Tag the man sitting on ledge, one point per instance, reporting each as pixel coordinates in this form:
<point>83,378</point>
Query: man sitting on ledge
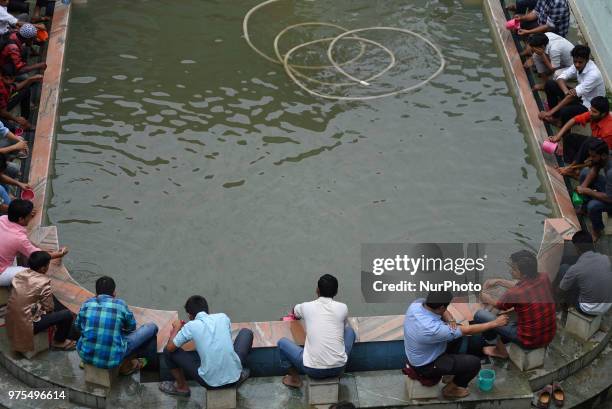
<point>329,337</point>
<point>108,332</point>
<point>217,363</point>
<point>586,285</point>
<point>532,300</point>
<point>15,241</point>
<point>432,340</point>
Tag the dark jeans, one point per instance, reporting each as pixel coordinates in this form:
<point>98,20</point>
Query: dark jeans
<point>23,98</point>
<point>523,5</point>
<point>18,7</point>
<point>463,366</point>
<point>594,207</point>
<point>508,333</point>
<point>142,343</point>
<point>189,362</point>
<point>575,148</point>
<point>554,95</point>
<point>62,318</point>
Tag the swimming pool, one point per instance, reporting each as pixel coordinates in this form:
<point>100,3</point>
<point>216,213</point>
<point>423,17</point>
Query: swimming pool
<point>186,163</point>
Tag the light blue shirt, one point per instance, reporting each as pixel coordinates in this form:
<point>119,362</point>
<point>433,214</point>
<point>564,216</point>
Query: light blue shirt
<point>3,129</point>
<point>425,334</point>
<point>212,336</point>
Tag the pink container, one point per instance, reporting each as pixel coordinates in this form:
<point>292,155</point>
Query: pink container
<point>290,317</point>
<point>513,24</point>
<point>27,194</point>
<point>549,147</point>
<point>19,132</point>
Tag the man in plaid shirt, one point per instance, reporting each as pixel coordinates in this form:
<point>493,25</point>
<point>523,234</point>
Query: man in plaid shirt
<point>548,15</point>
<point>532,300</point>
<point>108,331</point>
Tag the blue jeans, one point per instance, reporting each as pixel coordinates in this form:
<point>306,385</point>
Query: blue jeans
<point>292,355</point>
<point>508,333</point>
<point>594,207</point>
<point>142,342</point>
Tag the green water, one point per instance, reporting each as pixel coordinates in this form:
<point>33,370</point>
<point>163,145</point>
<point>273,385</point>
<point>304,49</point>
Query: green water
<point>186,163</point>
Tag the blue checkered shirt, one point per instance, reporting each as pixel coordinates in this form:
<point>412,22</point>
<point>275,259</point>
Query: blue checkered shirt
<point>103,321</point>
<point>555,14</point>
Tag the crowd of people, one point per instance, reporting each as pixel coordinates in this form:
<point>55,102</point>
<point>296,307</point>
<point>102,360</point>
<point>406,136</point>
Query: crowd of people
<point>575,94</point>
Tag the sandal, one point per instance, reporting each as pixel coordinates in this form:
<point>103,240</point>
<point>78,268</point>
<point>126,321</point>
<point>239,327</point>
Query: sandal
<point>170,388</point>
<point>140,363</point>
<point>542,398</point>
<point>71,346</point>
<point>558,394</point>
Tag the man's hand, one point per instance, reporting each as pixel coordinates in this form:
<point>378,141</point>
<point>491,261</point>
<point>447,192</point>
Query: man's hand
<point>545,115</point>
<point>37,77</point>
<point>492,282</point>
<point>63,251</point>
<point>523,32</point>
<point>176,326</point>
<point>23,186</point>
<point>19,146</point>
<point>583,190</point>
<point>572,92</point>
<point>554,138</point>
<point>23,122</point>
<point>502,320</point>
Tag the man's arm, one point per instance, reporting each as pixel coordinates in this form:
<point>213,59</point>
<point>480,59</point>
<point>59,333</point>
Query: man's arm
<point>183,336</point>
<point>33,67</point>
<point>129,322</point>
<point>4,179</point>
<point>500,321</point>
<point>563,131</point>
<point>21,145</point>
<point>539,29</point>
<point>26,83</point>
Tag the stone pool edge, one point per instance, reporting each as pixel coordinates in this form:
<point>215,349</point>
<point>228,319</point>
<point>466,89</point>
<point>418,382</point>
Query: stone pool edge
<point>371,331</point>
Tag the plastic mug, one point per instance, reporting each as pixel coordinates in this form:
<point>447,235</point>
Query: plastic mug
<point>27,194</point>
<point>513,24</point>
<point>549,147</point>
<point>577,199</point>
<point>289,317</point>
<point>486,379</point>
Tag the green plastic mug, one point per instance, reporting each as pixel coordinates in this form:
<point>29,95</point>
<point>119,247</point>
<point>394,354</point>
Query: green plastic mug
<point>577,199</point>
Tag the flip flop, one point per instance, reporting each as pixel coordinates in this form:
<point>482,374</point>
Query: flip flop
<point>169,388</point>
<point>141,363</point>
<point>558,394</point>
<point>71,346</point>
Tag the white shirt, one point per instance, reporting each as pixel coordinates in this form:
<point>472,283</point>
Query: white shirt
<point>324,320</point>
<point>590,82</point>
<point>6,20</point>
<point>559,51</point>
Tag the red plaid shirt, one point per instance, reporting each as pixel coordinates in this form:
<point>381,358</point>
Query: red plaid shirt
<point>11,53</point>
<point>535,309</point>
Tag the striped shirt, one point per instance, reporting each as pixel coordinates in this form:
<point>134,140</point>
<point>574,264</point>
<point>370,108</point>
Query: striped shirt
<point>103,321</point>
<point>554,14</point>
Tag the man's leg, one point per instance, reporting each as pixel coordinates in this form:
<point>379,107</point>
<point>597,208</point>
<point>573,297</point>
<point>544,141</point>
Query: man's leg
<point>291,358</point>
<point>595,208</point>
<point>140,337</point>
<point>62,320</point>
<point>23,99</point>
<point>349,339</point>
<point>183,363</point>
<point>5,200</point>
<point>6,277</point>
<point>554,94</point>
<point>243,344</point>
<point>573,151</point>
<point>522,6</point>
<point>569,111</point>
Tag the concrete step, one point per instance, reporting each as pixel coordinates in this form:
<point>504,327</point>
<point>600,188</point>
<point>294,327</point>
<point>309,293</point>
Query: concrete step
<point>591,386</point>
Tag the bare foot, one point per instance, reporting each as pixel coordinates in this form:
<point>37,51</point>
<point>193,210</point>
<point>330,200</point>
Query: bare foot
<point>495,352</point>
<point>66,345</point>
<point>292,381</point>
<point>596,235</point>
<point>538,87</point>
<point>452,391</point>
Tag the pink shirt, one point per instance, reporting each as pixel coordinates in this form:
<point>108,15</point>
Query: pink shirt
<point>13,240</point>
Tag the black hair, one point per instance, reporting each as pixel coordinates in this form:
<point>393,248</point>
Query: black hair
<point>526,262</point>
<point>18,209</point>
<point>581,51</point>
<point>583,241</point>
<point>538,40</point>
<point>105,285</point>
<point>598,146</point>
<point>3,162</point>
<point>601,104</point>
<point>8,69</point>
<point>38,260</point>
<point>196,304</point>
<point>342,405</point>
<point>437,299</point>
<point>328,286</point>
